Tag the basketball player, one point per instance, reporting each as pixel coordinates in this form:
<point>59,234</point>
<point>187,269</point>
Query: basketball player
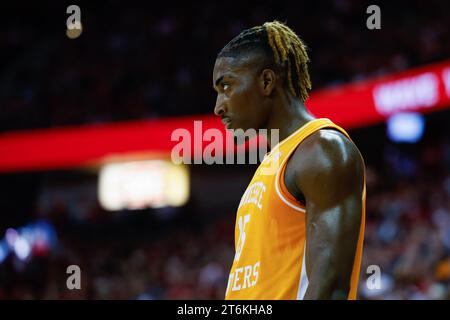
<point>299,232</point>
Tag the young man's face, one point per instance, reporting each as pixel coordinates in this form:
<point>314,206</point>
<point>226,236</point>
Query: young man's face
<point>239,99</point>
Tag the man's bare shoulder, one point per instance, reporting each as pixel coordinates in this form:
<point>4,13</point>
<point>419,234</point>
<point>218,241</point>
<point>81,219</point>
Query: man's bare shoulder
<point>327,159</point>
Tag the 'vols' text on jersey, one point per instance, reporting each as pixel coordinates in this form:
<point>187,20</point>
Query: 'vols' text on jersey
<point>270,233</point>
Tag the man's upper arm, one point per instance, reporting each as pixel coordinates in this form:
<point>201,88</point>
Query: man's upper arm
<point>329,174</point>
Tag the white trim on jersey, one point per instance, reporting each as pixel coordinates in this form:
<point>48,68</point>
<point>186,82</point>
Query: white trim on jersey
<point>303,283</point>
<point>277,188</point>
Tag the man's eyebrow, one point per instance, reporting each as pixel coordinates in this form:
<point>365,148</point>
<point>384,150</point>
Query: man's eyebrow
<point>229,75</point>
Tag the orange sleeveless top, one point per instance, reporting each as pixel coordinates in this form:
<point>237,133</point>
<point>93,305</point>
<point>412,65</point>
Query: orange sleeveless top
<point>270,232</point>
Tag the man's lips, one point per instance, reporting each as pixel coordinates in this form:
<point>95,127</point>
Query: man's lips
<point>226,122</point>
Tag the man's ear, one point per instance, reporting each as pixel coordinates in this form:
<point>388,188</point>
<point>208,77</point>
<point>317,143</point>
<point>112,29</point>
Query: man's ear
<point>267,81</point>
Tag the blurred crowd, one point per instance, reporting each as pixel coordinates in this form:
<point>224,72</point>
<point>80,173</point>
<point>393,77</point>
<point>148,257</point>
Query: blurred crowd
<point>408,227</point>
<point>407,237</point>
<point>181,264</point>
<point>136,62</point>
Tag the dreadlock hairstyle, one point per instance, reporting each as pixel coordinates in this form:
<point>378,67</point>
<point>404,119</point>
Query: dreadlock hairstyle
<point>279,42</point>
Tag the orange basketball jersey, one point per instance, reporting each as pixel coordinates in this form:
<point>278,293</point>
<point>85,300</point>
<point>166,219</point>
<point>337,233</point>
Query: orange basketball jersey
<point>270,232</point>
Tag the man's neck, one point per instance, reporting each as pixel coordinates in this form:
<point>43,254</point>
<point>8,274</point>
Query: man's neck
<point>287,117</point>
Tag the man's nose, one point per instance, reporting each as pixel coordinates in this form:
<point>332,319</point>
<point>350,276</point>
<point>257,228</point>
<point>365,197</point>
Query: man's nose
<point>219,109</point>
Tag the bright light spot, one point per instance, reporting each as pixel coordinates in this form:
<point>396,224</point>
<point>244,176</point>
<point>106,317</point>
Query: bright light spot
<point>406,127</point>
<point>22,248</point>
<point>11,236</point>
<point>4,251</point>
<point>143,184</point>
<point>74,31</point>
